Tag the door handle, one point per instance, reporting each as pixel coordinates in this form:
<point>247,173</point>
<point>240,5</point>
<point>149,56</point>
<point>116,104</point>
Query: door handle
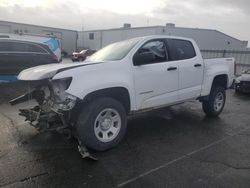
<point>172,68</point>
<point>197,65</point>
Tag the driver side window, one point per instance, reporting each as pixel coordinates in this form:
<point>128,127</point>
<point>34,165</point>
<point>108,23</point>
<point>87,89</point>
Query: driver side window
<point>152,52</point>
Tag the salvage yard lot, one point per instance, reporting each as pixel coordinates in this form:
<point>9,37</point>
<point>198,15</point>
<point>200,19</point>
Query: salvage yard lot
<point>173,147</point>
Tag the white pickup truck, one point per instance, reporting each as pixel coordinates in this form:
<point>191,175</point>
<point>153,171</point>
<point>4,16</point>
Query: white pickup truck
<point>91,100</point>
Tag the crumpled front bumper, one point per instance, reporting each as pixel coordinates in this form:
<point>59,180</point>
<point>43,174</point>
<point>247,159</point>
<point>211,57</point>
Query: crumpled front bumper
<point>52,113</point>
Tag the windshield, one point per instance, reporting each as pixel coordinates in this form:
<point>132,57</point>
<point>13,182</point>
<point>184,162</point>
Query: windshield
<point>115,51</point>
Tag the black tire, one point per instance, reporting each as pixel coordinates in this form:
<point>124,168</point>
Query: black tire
<point>86,123</point>
<point>208,105</point>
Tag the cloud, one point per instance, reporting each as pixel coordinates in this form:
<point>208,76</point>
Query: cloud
<point>229,16</point>
<point>71,16</point>
<point>242,5</point>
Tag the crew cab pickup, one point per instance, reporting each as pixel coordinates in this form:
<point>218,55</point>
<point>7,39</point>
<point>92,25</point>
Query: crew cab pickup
<point>92,101</point>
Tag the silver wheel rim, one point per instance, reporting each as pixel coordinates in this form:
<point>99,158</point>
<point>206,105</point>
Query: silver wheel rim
<point>107,125</point>
<point>218,101</point>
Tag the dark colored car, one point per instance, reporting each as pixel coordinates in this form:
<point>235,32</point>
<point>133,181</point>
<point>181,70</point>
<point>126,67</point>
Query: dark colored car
<point>242,83</point>
<point>17,55</point>
<point>82,55</point>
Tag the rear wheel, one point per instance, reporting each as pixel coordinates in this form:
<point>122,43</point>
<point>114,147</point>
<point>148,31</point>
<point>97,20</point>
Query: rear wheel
<point>215,104</point>
<point>102,124</point>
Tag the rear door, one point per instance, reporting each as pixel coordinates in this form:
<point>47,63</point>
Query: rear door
<point>156,80</point>
<point>190,68</point>
<point>41,54</point>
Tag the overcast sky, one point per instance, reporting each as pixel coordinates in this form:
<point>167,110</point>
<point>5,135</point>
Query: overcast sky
<point>229,16</point>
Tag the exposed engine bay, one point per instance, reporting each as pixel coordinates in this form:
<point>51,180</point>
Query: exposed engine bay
<point>54,108</point>
<point>54,105</point>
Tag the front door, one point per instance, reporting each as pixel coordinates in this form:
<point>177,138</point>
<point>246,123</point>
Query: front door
<point>155,78</point>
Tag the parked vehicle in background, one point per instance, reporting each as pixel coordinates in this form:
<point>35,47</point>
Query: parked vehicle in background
<point>93,99</point>
<point>19,52</point>
<point>242,83</point>
<point>82,55</point>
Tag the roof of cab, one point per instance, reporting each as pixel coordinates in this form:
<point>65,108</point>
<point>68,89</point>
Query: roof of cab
<point>166,36</point>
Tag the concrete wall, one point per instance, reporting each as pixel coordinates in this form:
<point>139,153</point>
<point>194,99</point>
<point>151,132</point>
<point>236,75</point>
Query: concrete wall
<point>84,41</point>
<point>205,38</point>
<point>105,37</point>
<point>68,37</point>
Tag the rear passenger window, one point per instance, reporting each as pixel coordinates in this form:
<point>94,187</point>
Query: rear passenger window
<point>181,49</point>
<point>36,48</point>
<point>26,47</point>
<point>5,46</point>
<point>20,47</point>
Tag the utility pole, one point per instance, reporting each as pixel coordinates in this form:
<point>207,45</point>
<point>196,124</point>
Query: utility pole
<point>82,34</point>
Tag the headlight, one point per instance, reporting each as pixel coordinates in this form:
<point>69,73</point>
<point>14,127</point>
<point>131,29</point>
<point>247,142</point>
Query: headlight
<point>62,84</point>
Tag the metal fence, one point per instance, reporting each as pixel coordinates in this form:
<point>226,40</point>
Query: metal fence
<point>242,57</point>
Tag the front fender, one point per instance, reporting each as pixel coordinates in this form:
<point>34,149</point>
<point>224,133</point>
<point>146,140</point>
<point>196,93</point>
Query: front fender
<point>86,80</point>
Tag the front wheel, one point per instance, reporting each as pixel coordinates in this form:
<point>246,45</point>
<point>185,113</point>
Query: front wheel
<point>102,124</point>
<point>215,104</point>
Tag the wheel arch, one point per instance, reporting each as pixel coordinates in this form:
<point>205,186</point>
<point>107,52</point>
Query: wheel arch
<point>121,94</point>
<point>217,80</point>
<point>220,80</point>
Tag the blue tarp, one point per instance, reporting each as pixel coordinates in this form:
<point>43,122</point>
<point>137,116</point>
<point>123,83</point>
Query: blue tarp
<point>8,78</point>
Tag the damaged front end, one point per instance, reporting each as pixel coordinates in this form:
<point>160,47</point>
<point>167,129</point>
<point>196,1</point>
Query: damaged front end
<point>54,110</point>
<point>54,105</point>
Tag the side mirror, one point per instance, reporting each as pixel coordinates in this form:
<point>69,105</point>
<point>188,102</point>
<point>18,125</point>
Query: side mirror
<point>143,58</point>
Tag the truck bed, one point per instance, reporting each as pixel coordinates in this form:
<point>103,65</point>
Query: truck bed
<point>219,66</point>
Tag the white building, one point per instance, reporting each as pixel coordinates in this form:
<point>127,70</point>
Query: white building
<point>68,37</point>
<point>206,38</point>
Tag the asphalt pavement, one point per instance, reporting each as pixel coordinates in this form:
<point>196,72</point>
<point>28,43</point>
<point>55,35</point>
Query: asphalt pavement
<point>172,147</point>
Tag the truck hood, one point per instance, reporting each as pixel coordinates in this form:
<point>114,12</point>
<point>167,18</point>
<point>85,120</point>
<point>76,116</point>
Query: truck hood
<point>48,71</point>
